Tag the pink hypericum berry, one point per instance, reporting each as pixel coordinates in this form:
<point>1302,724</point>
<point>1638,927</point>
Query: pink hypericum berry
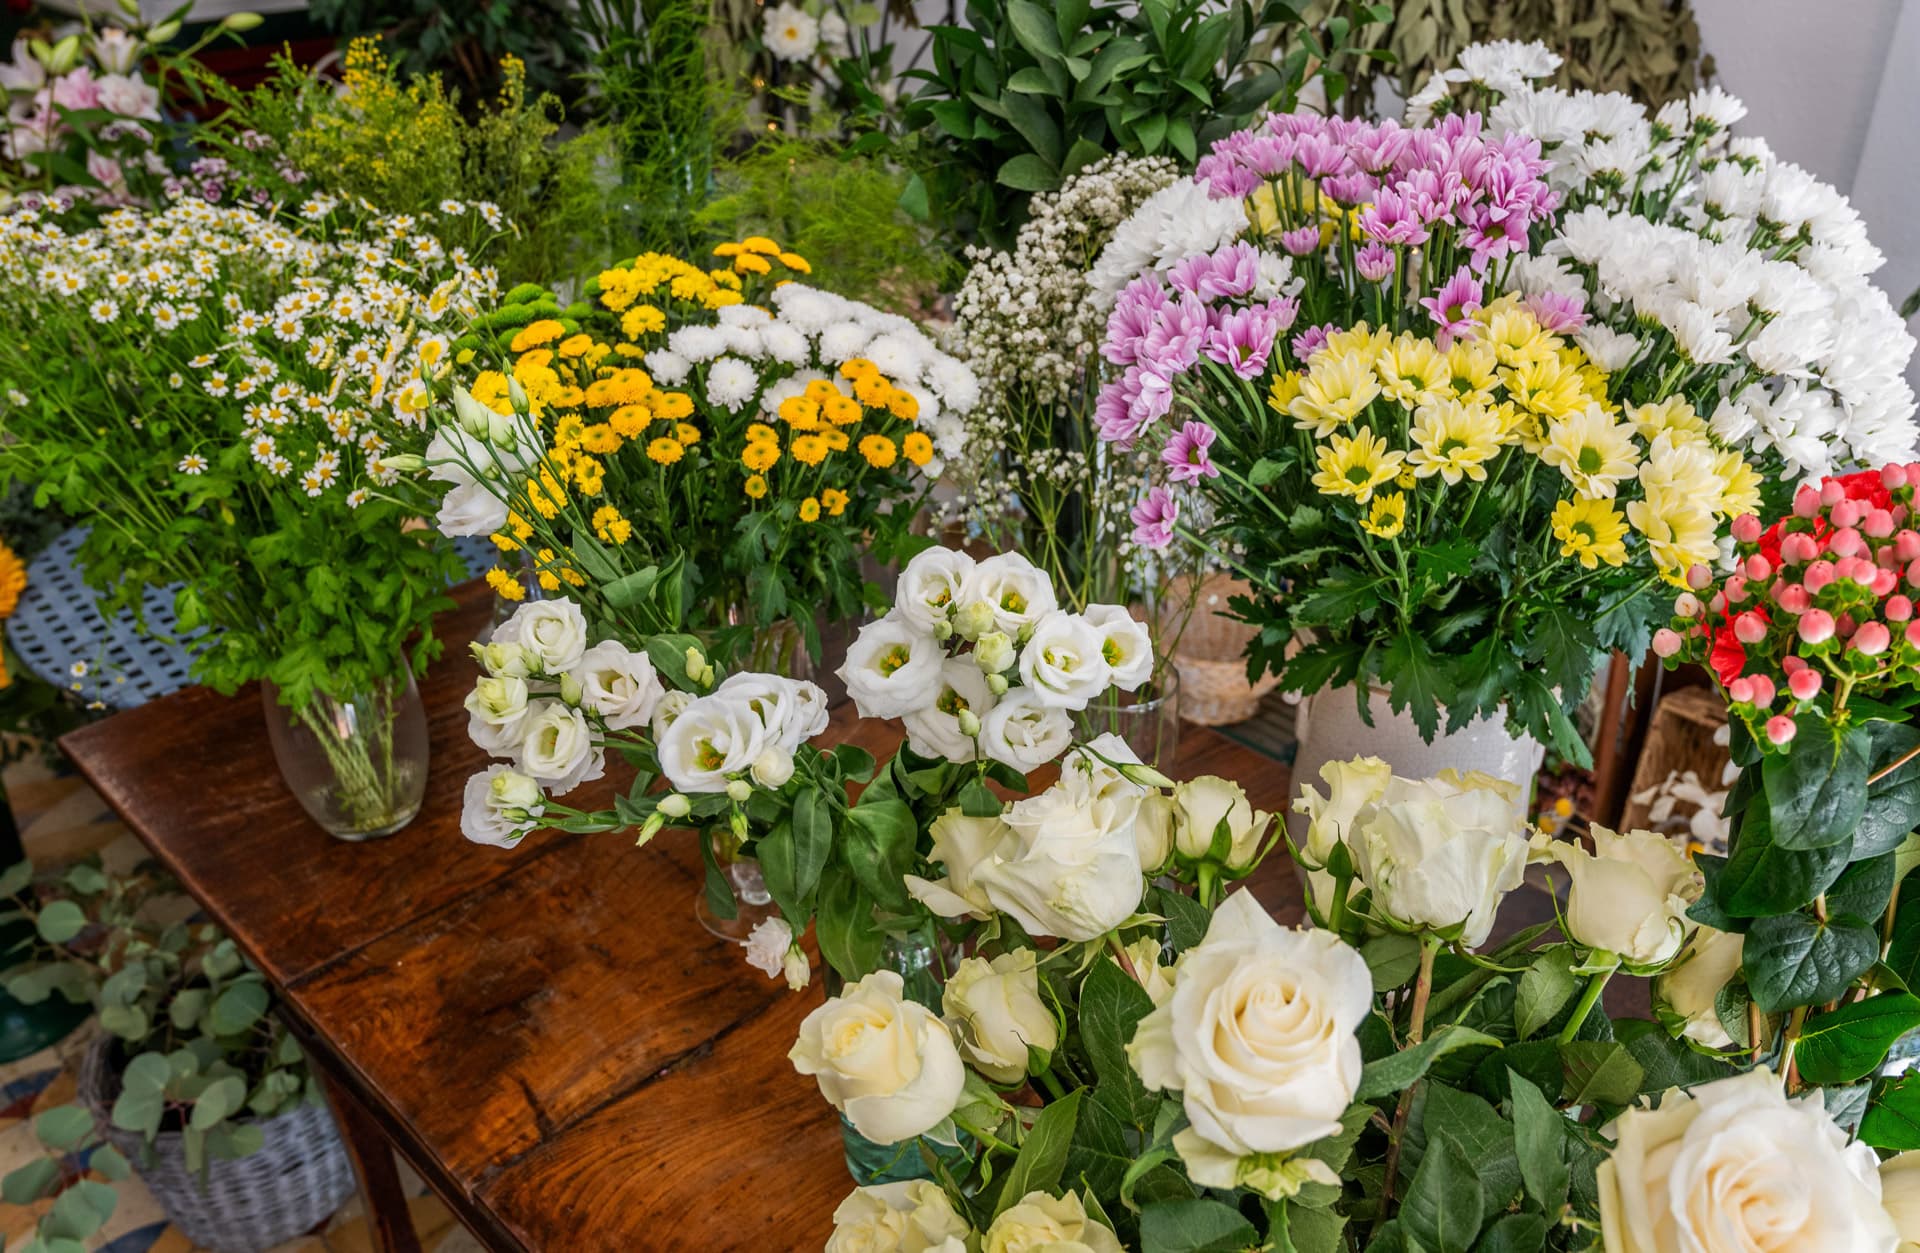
<point>1804,684</point>
<point>1780,729</point>
<point>1897,609</point>
<point>1859,570</point>
<point>1687,605</point>
<point>1735,589</point>
<point>1740,691</point>
<point>1906,546</point>
<point>1758,567</point>
<point>1913,633</point>
<point>1666,642</point>
<point>1843,626</point>
<point>1886,559</point>
<point>1818,575</point>
<point>1872,639</point>
<point>1831,494</point>
<point>1794,598</point>
<point>1913,473</point>
<point>1750,628</point>
<point>1799,548</point>
<point>1792,665</point>
<point>1913,573</point>
<point>1698,576</point>
<point>1878,524</point>
<point>1846,541</point>
<point>1746,528</point>
<point>1816,626</point>
<point>1884,581</point>
<point>1847,513</point>
<point>1717,606</point>
<point>1763,690</point>
<point>1893,477</point>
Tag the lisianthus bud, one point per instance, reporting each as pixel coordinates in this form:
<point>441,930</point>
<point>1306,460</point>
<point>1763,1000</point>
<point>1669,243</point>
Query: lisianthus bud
<point>570,690</point>
<point>1816,626</point>
<point>997,684</point>
<point>1750,628</point>
<point>1758,568</point>
<point>1897,609</point>
<point>1746,528</point>
<point>993,651</point>
<point>773,767</point>
<point>973,619</point>
<point>969,722</point>
<point>1878,524</point>
<point>674,805</point>
<point>1872,639</point>
<point>1698,576</point>
<point>1804,683</point>
<point>1666,642</point>
<point>1687,605</point>
<point>943,630</point>
<point>1780,729</point>
<point>738,790</point>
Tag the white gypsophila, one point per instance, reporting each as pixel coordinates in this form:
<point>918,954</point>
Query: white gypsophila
<point>668,367</point>
<point>731,383</point>
<point>1180,221</point>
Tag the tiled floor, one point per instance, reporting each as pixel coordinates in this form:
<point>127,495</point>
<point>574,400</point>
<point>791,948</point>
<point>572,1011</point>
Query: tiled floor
<point>61,818</point>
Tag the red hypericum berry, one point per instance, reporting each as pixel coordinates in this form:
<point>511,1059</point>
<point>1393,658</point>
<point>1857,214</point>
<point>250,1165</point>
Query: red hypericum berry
<point>1872,639</point>
<point>1893,477</point>
<point>1735,589</point>
<point>1792,665</point>
<point>1780,729</point>
<point>1763,690</point>
<point>1912,633</point>
<point>1847,514</point>
<point>1740,691</point>
<point>1804,683</point>
<point>1897,609</point>
<point>1799,548</point>
<point>1906,546</point>
<point>1831,494</point>
<point>1846,541</point>
<point>1806,502</point>
<point>1858,570</point>
<point>1913,573</point>
<point>1816,626</point>
<point>1666,642</point>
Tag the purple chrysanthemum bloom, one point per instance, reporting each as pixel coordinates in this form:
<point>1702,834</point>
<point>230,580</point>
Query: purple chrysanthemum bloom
<point>1134,314</point>
<point>1375,262</point>
<point>1186,453</point>
<point>1233,270</point>
<point>1311,340</point>
<point>1130,404</point>
<point>1453,307</point>
<point>1174,342</point>
<point>1558,312</point>
<point>1376,148</point>
<point>1320,156</point>
<point>1391,219</point>
<point>1352,188</point>
<point>1154,519</point>
<point>1243,339</point>
<point>1301,240</point>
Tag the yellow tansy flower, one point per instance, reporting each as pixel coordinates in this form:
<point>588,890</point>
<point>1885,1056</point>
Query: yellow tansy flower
<point>760,454</point>
<point>802,413</point>
<point>686,433</point>
<point>809,510</point>
<point>610,526</point>
<point>755,486</point>
<point>809,449</point>
<point>795,262</point>
<point>917,448</point>
<point>505,585</point>
<point>533,334</point>
<point>903,405</point>
<point>600,438</point>
<point>841,410</point>
<point>835,500</point>
<point>630,420</point>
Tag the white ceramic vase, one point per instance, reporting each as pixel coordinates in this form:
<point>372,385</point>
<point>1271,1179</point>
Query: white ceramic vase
<point>1330,729</point>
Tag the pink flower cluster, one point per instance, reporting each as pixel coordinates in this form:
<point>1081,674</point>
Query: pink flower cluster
<point>1407,183</point>
<point>112,82</point>
<point>1819,602</point>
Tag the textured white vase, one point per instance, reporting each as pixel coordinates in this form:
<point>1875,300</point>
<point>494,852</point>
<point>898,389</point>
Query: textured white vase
<point>1330,729</point>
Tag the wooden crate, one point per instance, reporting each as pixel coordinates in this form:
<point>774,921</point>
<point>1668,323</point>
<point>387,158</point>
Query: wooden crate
<point>1680,738</point>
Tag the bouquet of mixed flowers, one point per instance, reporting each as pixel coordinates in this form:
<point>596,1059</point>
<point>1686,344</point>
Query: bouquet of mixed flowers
<point>676,455</point>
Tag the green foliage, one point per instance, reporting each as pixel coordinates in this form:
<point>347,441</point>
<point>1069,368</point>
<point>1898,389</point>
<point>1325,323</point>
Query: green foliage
<point>465,44</point>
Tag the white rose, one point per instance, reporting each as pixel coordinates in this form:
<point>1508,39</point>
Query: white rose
<point>1015,592</point>
<point>1900,1193</point>
<point>1351,786</point>
<point>1021,732</point>
<point>1690,987</point>
<point>1125,644</point>
<point>499,806</point>
<point>885,1062</point>
<point>1040,1223</point>
<point>1153,831</point>
<point>961,845</point>
<point>996,1013</point>
<point>618,684</point>
<point>470,509</point>
<point>497,714</point>
<point>892,668</point>
<point>557,747</point>
<point>1440,853</point>
<point>1156,979</point>
<point>912,1216</point>
<point>1629,896</point>
<point>1734,1166</point>
<point>1258,1037</point>
<point>555,631</point>
<point>936,729</point>
<point>1067,864</point>
<point>929,587</point>
<point>1061,661</point>
<point>714,738</point>
<point>1201,805</point>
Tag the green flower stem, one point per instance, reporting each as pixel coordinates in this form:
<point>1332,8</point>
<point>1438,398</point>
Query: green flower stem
<point>1416,1029</point>
<point>1588,998</point>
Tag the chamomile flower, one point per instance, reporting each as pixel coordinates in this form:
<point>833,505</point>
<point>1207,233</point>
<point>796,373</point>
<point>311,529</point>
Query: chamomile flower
<point>192,463</point>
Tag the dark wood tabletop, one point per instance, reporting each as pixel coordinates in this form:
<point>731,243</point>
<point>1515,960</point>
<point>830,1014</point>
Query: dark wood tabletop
<point>545,1033</point>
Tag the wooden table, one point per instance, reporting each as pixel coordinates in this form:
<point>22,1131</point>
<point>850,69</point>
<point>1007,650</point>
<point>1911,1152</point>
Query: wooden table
<point>545,1033</point>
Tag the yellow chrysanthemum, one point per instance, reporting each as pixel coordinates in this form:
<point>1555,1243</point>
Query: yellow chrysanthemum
<point>1412,371</point>
<point>1473,372</point>
<point>809,449</point>
<point>534,334</point>
<point>1672,414</point>
<point>1387,517</point>
<point>1336,390</point>
<point>858,368</point>
<point>760,431</point>
<point>1358,340</point>
<point>1592,531</point>
<point>1548,387</point>
<point>601,439</point>
<point>665,450</point>
<point>629,420</point>
<point>752,263</point>
<point>879,451</point>
<point>760,244</point>
<point>1678,529</point>
<point>835,500</point>
<point>1684,463</point>
<point>755,487</point>
<point>820,391</point>
<point>1593,451</point>
<point>1515,335</point>
<point>1454,441</point>
<point>810,510</point>
<point>841,410</point>
<point>589,476</point>
<point>1739,485</point>
<point>800,412</point>
<point>642,320</point>
<point>13,580</point>
<point>795,262</point>
<point>903,405</point>
<point>610,526</point>
<point>917,448</point>
<point>1355,466</point>
<point>872,390</point>
<point>760,454</point>
<point>672,406</point>
<point>504,585</point>
<point>687,433</point>
<point>1285,388</point>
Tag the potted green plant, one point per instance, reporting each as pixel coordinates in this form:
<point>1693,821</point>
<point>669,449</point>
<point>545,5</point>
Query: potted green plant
<point>193,1082</point>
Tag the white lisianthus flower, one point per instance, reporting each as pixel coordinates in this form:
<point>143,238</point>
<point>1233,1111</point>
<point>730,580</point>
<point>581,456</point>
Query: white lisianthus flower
<point>1732,1166</point>
<point>792,710</point>
<point>497,714</point>
<point>555,631</point>
<point>670,706</point>
<point>1045,1223</point>
<point>470,509</point>
<point>556,747</point>
<point>911,1216</point>
<point>929,587</point>
<point>1690,987</point>
<point>1629,896</point>
<point>499,806</point>
<point>885,1062</point>
<point>939,729</point>
<point>892,668</point>
<point>790,33</point>
<point>1061,662</point>
<point>1125,644</point>
<point>1440,853</point>
<point>1015,593</point>
<point>502,659</point>
<point>1021,732</point>
<point>618,684</point>
<point>996,1014</point>
<point>1258,1038</point>
<point>1201,805</point>
<point>771,951</point>
<point>714,739</point>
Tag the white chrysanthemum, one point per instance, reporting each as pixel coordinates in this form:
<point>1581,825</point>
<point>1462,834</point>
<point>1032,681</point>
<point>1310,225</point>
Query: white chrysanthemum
<point>668,367</point>
<point>790,33</point>
<point>731,383</point>
<point>898,355</point>
<point>1181,221</point>
<point>1504,65</point>
<point>842,341</point>
<point>698,343</point>
<point>784,344</point>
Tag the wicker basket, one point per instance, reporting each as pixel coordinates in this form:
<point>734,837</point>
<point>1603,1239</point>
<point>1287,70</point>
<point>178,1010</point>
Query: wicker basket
<point>300,1176</point>
<point>1211,656</point>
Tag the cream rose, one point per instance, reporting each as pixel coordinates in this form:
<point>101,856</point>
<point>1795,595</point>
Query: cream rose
<point>1440,853</point>
<point>1015,593</point>
<point>618,684</point>
<point>938,729</point>
<point>996,1013</point>
<point>1021,732</point>
<point>1258,1037</point>
<point>1061,662</point>
<point>929,587</point>
<point>1125,644</point>
<point>1900,1193</point>
<point>499,806</point>
<point>1201,805</point>
<point>913,1216</point>
<point>1732,1167</point>
<point>892,668</point>
<point>497,714</point>
<point>1153,831</point>
<point>714,739</point>
<point>556,747</point>
<point>1351,786</point>
<point>1040,1223</point>
<point>1690,987</point>
<point>1629,896</point>
<point>885,1062</point>
<point>555,631</point>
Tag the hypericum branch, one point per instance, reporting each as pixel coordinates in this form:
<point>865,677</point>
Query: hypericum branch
<point>1908,756</point>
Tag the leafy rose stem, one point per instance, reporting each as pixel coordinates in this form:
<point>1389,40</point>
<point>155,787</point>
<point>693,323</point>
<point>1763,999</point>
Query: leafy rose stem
<point>1416,1029</point>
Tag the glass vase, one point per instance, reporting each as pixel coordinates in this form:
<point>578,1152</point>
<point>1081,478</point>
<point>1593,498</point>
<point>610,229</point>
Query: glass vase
<point>1148,720</point>
<point>772,647</point>
<point>752,903</point>
<point>356,763</point>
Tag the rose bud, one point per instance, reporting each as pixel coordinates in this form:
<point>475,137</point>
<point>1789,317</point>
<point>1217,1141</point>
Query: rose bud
<point>1818,575</point>
<point>1666,642</point>
<point>1747,528</point>
<point>1846,541</point>
<point>1816,626</point>
<point>1872,639</point>
<point>1750,628</point>
<point>1698,576</point>
<point>1794,598</point>
<point>1687,605</point>
<point>1804,683</point>
<point>1780,729</point>
<point>1740,691</point>
<point>1884,581</point>
<point>1758,567</point>
<point>1878,524</point>
<point>1897,609</point>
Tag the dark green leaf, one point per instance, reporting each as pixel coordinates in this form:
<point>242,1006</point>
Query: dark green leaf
<point>1397,1071</point>
<point>1817,791</point>
<point>1893,1120</point>
<point>1540,1136</point>
<point>1043,1154</point>
<point>1442,1209</point>
<point>1544,990</point>
<point>1794,959</point>
<point>1852,1041</point>
<point>1194,1226</point>
<point>1600,1072</point>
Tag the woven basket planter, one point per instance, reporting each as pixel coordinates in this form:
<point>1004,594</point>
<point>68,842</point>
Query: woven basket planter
<point>1211,657</point>
<point>300,1176</point>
